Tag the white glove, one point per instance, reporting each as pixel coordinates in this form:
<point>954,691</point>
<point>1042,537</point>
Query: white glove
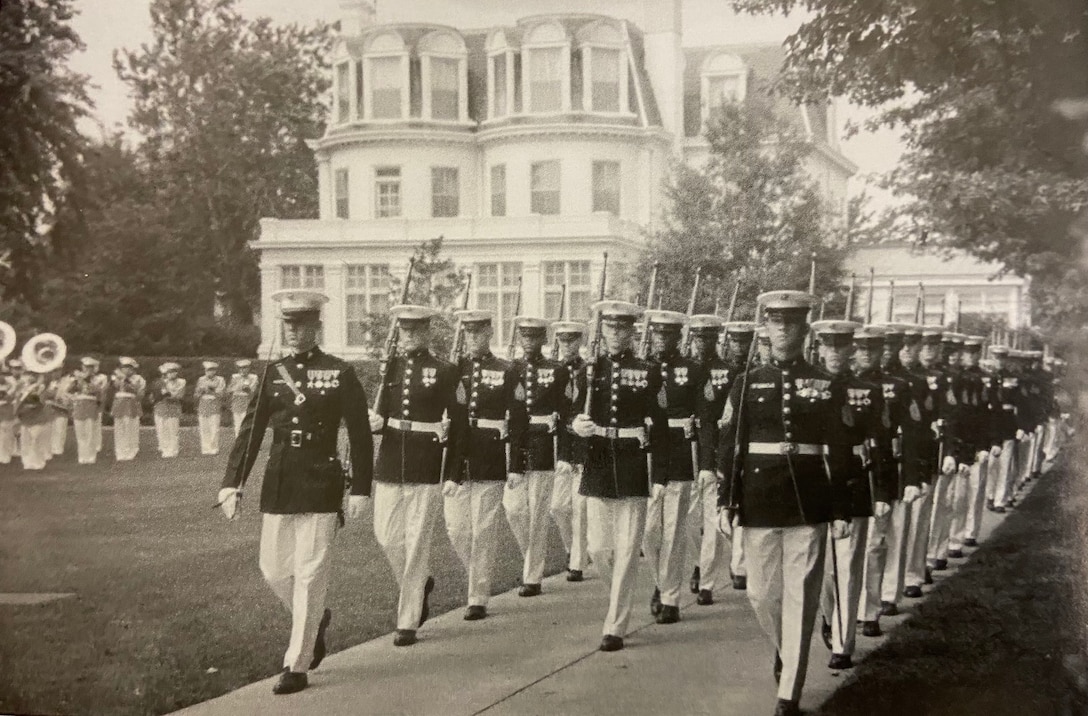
<point>449,488</point>
<point>949,465</point>
<point>583,425</point>
<point>911,493</point>
<point>356,506</point>
<point>995,451</point>
<point>965,471</point>
<point>562,467</point>
<point>725,525</point>
<point>925,489</point>
<point>657,491</point>
<point>881,508</point>
<point>514,480</point>
<point>707,477</point>
<point>841,529</point>
<point>230,502</point>
<point>1020,434</point>
<point>377,422</point>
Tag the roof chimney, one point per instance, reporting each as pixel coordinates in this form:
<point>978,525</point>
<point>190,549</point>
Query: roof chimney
<point>355,16</point>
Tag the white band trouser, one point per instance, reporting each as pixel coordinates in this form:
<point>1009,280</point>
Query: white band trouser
<point>785,573</point>
<point>404,520</point>
<point>472,520</point>
<point>126,438</point>
<point>166,430</point>
<point>615,536</point>
<point>59,434</point>
<point>941,517</point>
<point>7,441</point>
<point>568,510</point>
<point>96,433</point>
<point>209,433</point>
<point>526,503</point>
<point>84,430</point>
<point>664,538</point>
<point>35,444</point>
<point>296,558</point>
<point>921,512</point>
<point>850,557</point>
<point>238,418</point>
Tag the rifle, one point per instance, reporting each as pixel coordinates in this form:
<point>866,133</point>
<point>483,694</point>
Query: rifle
<point>728,319</point>
<point>809,351</point>
<point>891,302</point>
<point>869,298</point>
<point>513,333</point>
<point>459,332</point>
<point>685,343</point>
<point>595,345</point>
<point>644,341</point>
<point>850,298</point>
<point>738,460</point>
<point>391,340</point>
<point>562,306</point>
<point>920,305</point>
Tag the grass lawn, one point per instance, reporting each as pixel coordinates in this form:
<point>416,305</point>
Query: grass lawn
<point>170,607</point>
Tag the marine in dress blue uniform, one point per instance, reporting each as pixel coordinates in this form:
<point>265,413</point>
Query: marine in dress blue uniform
<point>302,398</point>
<point>961,400</point>
<point>969,494</point>
<point>568,506</point>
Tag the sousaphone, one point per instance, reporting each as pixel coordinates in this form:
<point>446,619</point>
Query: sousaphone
<point>44,353</point>
<point>7,340</point>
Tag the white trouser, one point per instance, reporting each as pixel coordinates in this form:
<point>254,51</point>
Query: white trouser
<point>1052,443</point>
<point>84,429</point>
<point>296,558</point>
<point>126,438</point>
<point>404,520</point>
<point>7,441</point>
<point>968,502</point>
<point>785,572</point>
<point>895,563</point>
<point>568,509</point>
<point>1004,477</point>
<point>614,536</point>
<point>526,503</point>
<point>941,517</point>
<point>707,543</point>
<point>166,429</point>
<point>921,513</point>
<point>663,540</point>
<point>1039,452</point>
<point>472,520</point>
<point>878,545</point>
<point>34,441</point>
<point>209,434</point>
<point>238,418</point>
<point>96,432</point>
<point>59,435</point>
<point>849,560</point>
<point>1024,458</point>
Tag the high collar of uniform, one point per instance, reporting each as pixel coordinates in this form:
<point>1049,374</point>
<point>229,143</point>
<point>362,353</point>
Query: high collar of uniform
<point>534,357</point>
<point>789,363</point>
<point>669,356</point>
<point>418,353</point>
<point>483,357</point>
<point>305,356</point>
<point>873,372</point>
<point>617,357</point>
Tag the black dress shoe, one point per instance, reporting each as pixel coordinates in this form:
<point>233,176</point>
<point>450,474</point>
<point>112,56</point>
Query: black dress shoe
<point>929,576</point>
<point>319,643</point>
<point>428,587</point>
<point>956,553</point>
<point>475,612</point>
<point>999,510</point>
<point>740,582</point>
<point>787,707</point>
<point>611,643</point>
<point>889,609</point>
<point>940,565</point>
<point>291,682</point>
<point>705,598</point>
<point>655,602</point>
<point>404,637</point>
<point>693,585</point>
<point>574,575</point>
<point>825,633</point>
<point>528,590</point>
<point>668,615</point>
<point>990,505</point>
<point>913,591</point>
<point>871,629</point>
<point>970,542</point>
<point>840,661</point>
<point>777,667</point>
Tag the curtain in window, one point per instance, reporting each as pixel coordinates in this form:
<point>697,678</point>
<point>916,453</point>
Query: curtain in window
<point>546,79</point>
<point>445,88</point>
<point>387,83</point>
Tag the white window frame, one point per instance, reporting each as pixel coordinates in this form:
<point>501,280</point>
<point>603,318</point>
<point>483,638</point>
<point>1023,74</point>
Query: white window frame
<point>491,190</point>
<point>558,191</point>
<point>457,173</point>
<point>552,290</point>
<point>725,66</point>
<point>499,46</point>
<point>336,198</point>
<point>461,58</point>
<point>372,278</point>
<point>309,276</point>
<point>379,181</point>
<point>587,42</point>
<point>504,269</point>
<point>386,49</point>
<point>337,99</point>
<point>528,46</point>
<point>594,185</point>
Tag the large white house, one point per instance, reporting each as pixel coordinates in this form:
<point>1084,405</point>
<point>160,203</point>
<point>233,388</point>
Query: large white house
<point>532,137</point>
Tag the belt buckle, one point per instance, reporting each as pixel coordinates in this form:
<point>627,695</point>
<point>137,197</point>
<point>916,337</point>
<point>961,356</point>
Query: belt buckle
<point>296,438</point>
<point>612,433</point>
<point>788,448</point>
<point>473,422</point>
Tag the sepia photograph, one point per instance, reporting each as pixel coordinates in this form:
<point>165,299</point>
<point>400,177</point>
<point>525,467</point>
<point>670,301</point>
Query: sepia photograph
<point>524,357</point>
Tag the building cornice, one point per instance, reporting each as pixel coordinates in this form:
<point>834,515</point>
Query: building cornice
<point>432,134</point>
<point>537,130</point>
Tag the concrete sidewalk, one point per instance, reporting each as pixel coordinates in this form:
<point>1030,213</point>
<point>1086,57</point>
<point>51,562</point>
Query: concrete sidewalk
<point>539,656</point>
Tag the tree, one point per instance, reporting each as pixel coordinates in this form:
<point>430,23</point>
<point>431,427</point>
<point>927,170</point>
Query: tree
<point>224,106</point>
<point>40,146</point>
<point>751,214</point>
<point>437,282</point>
<point>990,167</point>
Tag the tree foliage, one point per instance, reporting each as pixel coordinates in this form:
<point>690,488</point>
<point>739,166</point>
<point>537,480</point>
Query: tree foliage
<point>40,146</point>
<point>751,214</point>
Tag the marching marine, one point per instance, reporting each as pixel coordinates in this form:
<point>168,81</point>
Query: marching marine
<point>969,495</point>
<point>243,384</point>
<point>568,507</point>
<point>166,398</point>
<point>303,398</point>
<point>87,393</point>
<point>128,394</point>
<point>209,391</point>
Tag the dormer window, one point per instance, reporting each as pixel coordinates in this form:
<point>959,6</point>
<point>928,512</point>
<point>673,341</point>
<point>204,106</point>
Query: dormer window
<point>724,81</point>
<point>385,68</point>
<point>501,76</point>
<point>444,76</point>
<point>604,85</point>
<point>343,93</point>
<point>546,59</point>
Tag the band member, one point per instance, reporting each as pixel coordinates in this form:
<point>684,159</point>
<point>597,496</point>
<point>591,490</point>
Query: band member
<point>969,493</point>
<point>34,419</point>
<point>473,492</point>
<point>777,422</point>
<point>676,460</point>
<point>542,386</point>
<point>303,398</point>
<point>9,383</point>
<point>624,423</point>
<point>418,396</point>
<point>209,391</point>
<point>128,396</point>
<point>568,506</point>
<point>243,385</point>
<point>60,408</point>
<point>87,397</point>
<point>100,383</point>
<point>166,396</point>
